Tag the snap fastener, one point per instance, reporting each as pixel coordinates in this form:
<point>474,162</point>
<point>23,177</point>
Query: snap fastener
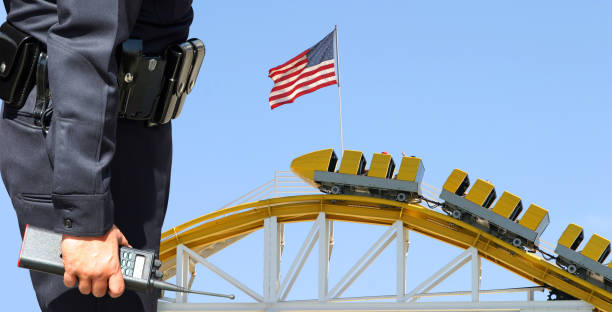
<point>2,67</point>
<point>128,78</point>
<point>68,223</point>
<point>152,64</point>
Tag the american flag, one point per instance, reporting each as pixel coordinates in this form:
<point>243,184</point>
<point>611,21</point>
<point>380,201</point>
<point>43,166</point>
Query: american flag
<point>311,70</point>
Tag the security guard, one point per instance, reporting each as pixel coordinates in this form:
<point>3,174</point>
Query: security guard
<point>77,164</point>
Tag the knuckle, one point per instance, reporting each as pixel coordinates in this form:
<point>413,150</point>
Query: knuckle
<point>96,275</point>
<point>69,269</point>
<point>85,275</point>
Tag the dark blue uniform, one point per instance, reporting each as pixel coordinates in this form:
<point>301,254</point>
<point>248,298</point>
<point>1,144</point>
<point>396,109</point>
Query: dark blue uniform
<point>92,170</point>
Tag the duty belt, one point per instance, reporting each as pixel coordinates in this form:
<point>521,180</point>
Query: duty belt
<point>152,88</point>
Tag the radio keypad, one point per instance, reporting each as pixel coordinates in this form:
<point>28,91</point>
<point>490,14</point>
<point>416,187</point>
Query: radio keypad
<point>127,263</point>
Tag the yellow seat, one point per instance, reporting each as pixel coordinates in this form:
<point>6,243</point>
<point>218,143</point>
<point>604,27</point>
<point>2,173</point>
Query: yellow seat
<point>597,248</point>
<point>305,165</point>
<point>482,193</point>
<point>353,162</point>
<point>533,217</point>
<point>411,169</point>
<point>382,166</point>
<point>457,182</point>
<point>571,237</point>
<point>508,206</point>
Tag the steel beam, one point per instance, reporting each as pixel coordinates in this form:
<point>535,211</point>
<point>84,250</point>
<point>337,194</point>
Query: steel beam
<point>196,257</point>
<point>298,262</point>
<point>271,259</point>
<point>363,262</point>
<point>182,271</point>
<point>476,274</point>
<point>401,236</point>
<point>441,274</point>
<point>323,256</point>
<point>529,306</point>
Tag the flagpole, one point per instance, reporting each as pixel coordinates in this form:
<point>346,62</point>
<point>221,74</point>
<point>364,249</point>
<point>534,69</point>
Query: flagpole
<point>339,94</point>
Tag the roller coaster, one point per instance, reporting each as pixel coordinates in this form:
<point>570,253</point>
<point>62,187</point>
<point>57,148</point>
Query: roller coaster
<point>381,195</point>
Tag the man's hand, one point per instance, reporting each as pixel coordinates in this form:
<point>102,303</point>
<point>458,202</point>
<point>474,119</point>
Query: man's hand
<point>94,261</point>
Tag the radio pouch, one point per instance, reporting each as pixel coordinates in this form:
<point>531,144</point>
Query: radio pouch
<point>18,58</point>
<point>140,79</point>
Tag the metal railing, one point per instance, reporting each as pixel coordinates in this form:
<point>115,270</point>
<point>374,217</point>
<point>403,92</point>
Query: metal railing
<point>285,183</point>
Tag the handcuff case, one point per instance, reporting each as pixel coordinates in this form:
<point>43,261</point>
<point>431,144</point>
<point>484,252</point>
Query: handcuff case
<point>19,54</point>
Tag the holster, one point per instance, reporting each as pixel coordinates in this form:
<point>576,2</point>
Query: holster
<point>19,53</point>
<point>153,88</point>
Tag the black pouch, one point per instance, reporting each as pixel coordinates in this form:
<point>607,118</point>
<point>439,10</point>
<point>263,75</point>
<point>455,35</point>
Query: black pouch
<point>140,79</point>
<point>154,89</point>
<point>183,62</point>
<point>18,58</point>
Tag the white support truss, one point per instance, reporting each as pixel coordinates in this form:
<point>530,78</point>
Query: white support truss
<point>363,263</point>
<point>186,254</point>
<point>523,306</point>
<point>446,271</point>
<point>402,242</point>
<point>298,262</point>
<point>277,288</point>
<point>272,247</point>
<point>323,256</point>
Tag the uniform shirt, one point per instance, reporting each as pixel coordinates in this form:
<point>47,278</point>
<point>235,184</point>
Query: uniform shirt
<point>81,38</point>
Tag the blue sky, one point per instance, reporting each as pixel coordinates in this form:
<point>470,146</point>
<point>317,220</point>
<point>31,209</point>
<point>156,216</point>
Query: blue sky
<point>516,92</point>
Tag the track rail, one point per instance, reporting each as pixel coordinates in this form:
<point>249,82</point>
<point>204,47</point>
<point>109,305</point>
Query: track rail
<point>228,223</point>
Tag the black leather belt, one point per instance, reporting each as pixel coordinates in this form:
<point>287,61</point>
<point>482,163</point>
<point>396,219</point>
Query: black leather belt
<point>152,88</point>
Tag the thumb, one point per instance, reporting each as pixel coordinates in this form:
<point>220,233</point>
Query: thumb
<point>122,240</point>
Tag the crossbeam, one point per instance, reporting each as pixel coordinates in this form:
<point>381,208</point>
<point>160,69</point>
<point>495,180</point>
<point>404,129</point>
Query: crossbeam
<point>446,271</point>
<point>181,249</point>
<point>298,262</point>
<point>528,306</point>
<point>363,262</point>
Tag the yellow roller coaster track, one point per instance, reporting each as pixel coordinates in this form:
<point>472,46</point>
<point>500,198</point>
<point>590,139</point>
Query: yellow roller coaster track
<point>245,218</point>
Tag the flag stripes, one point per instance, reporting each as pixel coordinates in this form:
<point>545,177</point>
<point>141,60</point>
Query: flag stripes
<point>289,63</point>
<point>306,90</point>
<point>283,85</point>
<point>308,80</point>
<point>307,72</point>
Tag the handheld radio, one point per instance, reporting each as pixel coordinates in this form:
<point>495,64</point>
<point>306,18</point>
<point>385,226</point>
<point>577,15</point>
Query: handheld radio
<point>41,251</point>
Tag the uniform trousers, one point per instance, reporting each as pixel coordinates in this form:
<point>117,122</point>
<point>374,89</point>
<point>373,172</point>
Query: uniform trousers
<point>140,181</point>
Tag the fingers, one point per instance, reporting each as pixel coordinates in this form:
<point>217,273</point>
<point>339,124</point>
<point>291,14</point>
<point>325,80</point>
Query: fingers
<point>69,280</point>
<point>93,263</point>
<point>116,285</point>
<point>85,286</point>
<point>99,287</point>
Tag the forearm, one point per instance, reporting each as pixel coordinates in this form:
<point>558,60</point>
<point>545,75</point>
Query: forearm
<point>83,83</point>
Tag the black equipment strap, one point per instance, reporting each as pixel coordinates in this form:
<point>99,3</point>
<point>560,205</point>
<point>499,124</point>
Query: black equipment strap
<point>7,5</point>
<point>43,94</point>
